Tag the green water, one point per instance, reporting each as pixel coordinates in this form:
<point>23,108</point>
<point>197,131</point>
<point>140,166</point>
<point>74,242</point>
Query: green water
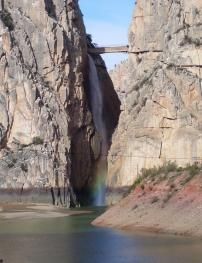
<point>74,240</point>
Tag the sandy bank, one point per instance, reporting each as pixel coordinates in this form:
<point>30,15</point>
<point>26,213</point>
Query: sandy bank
<point>34,211</point>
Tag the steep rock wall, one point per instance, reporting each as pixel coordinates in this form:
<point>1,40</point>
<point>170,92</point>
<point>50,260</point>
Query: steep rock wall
<point>43,55</point>
<point>46,128</point>
<point>160,89</point>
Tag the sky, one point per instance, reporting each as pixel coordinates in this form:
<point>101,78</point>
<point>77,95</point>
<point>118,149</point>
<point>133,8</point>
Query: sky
<point>108,22</point>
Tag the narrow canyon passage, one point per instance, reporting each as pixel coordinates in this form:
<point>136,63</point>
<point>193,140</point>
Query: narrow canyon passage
<point>100,151</point>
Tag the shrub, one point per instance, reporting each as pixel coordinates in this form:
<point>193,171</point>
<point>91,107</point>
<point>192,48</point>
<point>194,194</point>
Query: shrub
<point>193,169</point>
<point>12,162</point>
<point>37,140</point>
<point>167,167</point>
<point>24,167</point>
<point>153,172</point>
<point>164,170</point>
<point>137,182</point>
<point>10,165</point>
<point>89,37</point>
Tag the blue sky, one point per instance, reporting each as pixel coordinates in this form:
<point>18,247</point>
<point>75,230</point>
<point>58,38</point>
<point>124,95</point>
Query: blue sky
<point>108,22</point>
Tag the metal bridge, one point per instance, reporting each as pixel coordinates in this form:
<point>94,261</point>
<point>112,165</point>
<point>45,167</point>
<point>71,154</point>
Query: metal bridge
<point>96,50</point>
<point>109,49</point>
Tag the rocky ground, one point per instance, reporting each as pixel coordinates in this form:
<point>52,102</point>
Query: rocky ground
<point>169,202</point>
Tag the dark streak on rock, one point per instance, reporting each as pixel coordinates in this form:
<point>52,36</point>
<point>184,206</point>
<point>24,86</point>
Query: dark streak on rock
<point>50,8</point>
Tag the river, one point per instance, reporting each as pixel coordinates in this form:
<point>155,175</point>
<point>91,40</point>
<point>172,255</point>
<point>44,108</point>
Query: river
<point>73,240</point>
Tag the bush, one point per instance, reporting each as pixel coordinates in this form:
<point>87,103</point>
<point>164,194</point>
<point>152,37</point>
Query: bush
<point>193,169</point>
<point>11,165</point>
<point>12,162</point>
<point>165,169</point>
<point>153,172</point>
<point>89,37</point>
<point>136,183</point>
<point>24,167</point>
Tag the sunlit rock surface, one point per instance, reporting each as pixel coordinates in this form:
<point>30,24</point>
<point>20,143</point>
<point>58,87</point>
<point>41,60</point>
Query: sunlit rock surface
<point>160,90</point>
<point>46,128</point>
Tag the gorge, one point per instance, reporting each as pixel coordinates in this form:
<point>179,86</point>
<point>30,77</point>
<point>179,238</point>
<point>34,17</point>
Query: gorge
<point>70,131</point>
<point>100,163</point>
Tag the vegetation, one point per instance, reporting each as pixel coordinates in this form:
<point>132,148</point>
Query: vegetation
<point>24,167</point>
<point>11,165</point>
<point>37,140</point>
<point>7,19</point>
<point>189,40</point>
<point>193,169</point>
<point>89,37</point>
<point>12,162</point>
<point>164,170</point>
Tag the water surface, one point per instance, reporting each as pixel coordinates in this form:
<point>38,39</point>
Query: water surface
<point>73,240</point>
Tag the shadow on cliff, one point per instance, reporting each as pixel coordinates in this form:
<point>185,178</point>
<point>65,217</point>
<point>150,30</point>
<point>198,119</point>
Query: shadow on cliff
<point>85,192</point>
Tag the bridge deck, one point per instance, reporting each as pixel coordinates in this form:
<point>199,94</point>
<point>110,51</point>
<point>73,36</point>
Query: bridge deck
<point>102,50</point>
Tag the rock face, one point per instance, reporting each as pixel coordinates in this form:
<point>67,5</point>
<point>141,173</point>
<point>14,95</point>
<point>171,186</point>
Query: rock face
<point>46,128</point>
<point>160,87</point>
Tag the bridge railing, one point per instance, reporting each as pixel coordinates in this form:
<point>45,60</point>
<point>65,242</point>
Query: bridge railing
<point>108,49</point>
<point>112,45</point>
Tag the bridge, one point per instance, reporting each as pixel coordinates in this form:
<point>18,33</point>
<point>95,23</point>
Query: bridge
<point>103,50</point>
<point>118,49</point>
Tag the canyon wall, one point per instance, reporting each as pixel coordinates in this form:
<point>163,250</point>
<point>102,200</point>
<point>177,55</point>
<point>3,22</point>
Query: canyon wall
<point>47,135</point>
<point>160,88</point>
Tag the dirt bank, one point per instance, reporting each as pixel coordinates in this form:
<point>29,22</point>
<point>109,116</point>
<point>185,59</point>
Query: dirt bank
<point>168,203</point>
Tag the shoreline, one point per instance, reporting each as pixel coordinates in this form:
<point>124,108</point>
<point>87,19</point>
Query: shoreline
<point>146,230</point>
<point>11,211</point>
<point>170,204</point>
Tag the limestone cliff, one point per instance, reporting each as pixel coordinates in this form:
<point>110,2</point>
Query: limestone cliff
<point>160,87</point>
<point>46,128</point>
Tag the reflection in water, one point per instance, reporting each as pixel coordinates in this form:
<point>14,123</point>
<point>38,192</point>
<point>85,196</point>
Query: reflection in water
<point>74,240</point>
